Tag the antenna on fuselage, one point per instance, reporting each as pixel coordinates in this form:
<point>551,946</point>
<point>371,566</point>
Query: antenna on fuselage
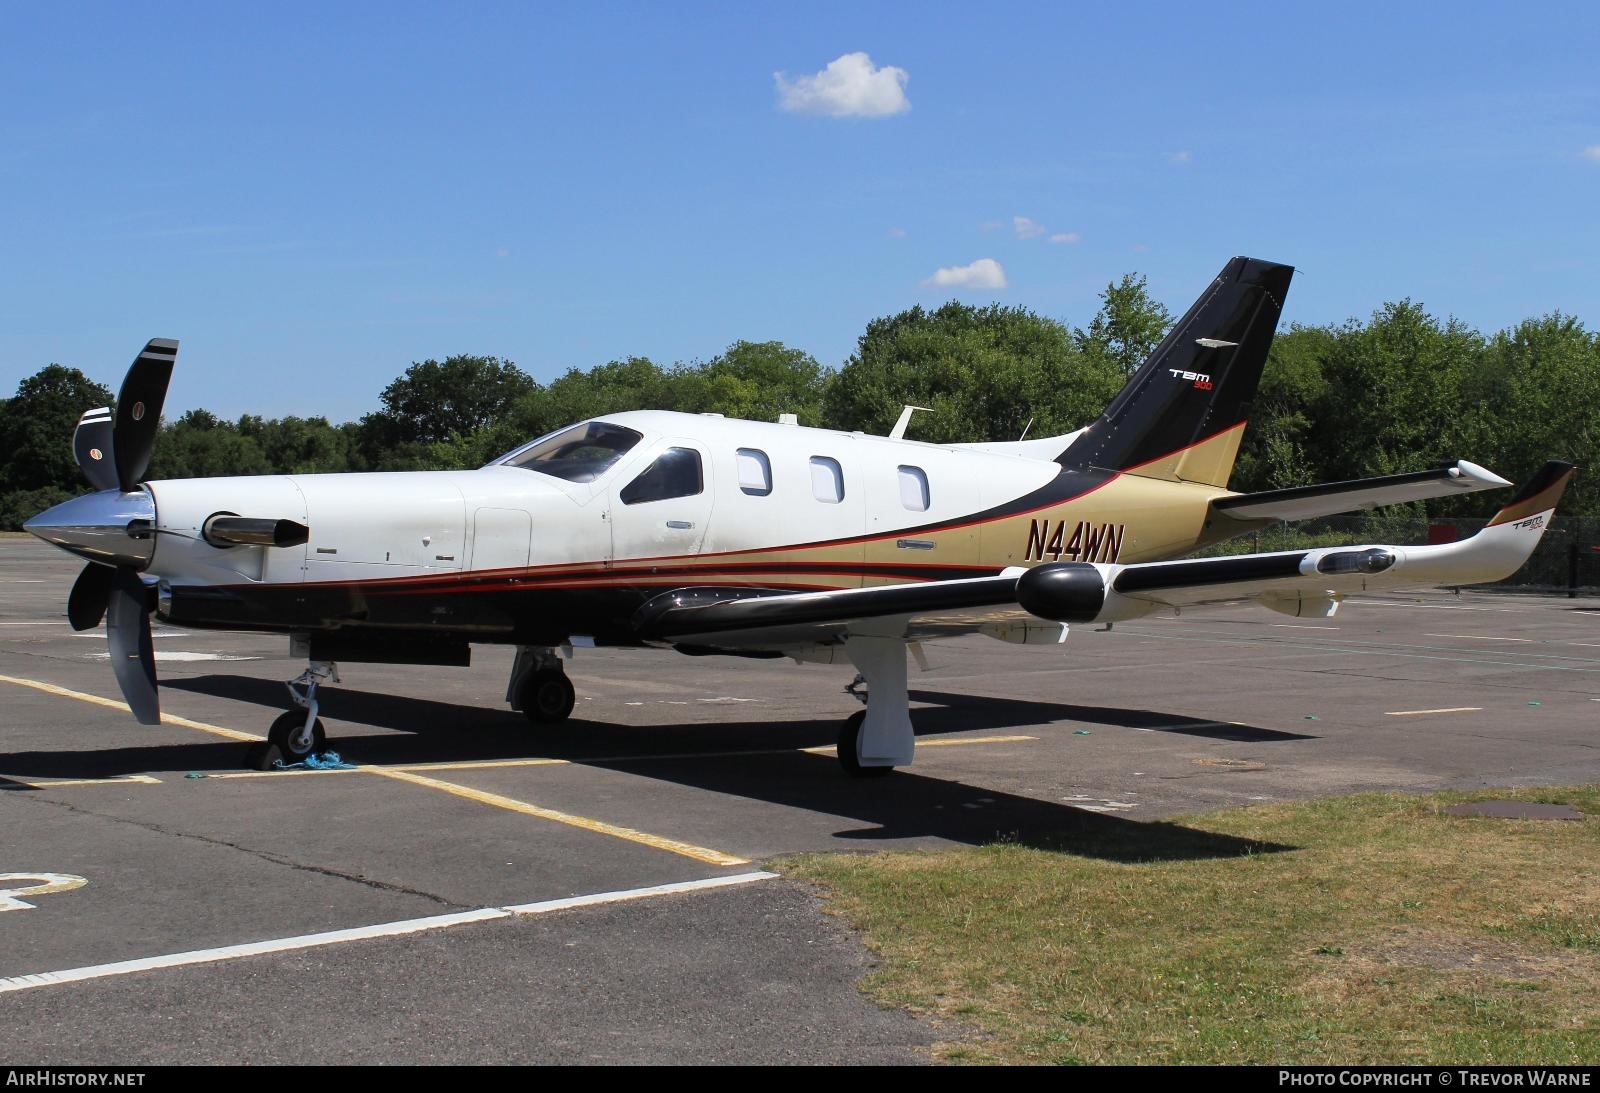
<point>1025,429</point>
<point>899,430</point>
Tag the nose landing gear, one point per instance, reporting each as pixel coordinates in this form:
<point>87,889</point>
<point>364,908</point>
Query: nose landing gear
<point>539,686</point>
<point>299,732</point>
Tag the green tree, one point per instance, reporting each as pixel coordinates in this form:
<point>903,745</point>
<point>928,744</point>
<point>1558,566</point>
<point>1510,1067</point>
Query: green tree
<point>754,380</point>
<point>1394,391</point>
<point>436,401</point>
<point>299,445</point>
<point>201,445</point>
<point>1282,445</point>
<point>1128,326</point>
<point>984,371</point>
<point>1532,397</point>
<point>36,427</point>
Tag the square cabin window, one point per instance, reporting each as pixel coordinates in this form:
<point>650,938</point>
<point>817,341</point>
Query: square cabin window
<point>755,472</point>
<point>914,489</point>
<point>827,480</point>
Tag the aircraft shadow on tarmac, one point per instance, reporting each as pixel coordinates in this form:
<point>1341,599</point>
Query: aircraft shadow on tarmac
<point>773,768</point>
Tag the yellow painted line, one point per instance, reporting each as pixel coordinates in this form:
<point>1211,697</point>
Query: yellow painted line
<point>464,764</point>
<point>511,804</point>
<point>18,783</point>
<point>113,704</point>
<point>1478,637</point>
<point>1447,709</point>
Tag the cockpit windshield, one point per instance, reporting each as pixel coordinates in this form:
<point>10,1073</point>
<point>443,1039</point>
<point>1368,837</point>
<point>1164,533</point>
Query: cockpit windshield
<point>579,454</point>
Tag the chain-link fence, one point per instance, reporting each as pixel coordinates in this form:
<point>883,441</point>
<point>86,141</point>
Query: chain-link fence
<point>1567,559</point>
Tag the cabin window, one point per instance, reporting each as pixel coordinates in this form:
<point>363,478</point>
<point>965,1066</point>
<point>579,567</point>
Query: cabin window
<point>755,472</point>
<point>580,453</point>
<point>827,480</point>
<point>675,473</point>
<point>914,489</point>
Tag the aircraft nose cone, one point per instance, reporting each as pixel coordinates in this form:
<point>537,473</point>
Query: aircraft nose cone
<point>109,527</point>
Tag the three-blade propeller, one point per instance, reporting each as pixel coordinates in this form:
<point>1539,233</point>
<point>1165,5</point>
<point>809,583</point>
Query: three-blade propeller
<point>114,451</point>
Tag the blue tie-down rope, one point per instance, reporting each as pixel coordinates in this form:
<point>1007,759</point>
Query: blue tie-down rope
<point>328,760</point>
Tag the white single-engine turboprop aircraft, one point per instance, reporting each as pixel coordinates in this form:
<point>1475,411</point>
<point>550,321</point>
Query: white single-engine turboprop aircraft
<point>744,538</point>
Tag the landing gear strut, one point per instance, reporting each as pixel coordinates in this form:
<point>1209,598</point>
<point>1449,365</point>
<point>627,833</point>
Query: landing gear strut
<point>879,738</point>
<point>540,687</point>
<point>299,732</point>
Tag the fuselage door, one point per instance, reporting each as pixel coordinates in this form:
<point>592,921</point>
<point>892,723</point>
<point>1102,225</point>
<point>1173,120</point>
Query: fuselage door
<point>663,510</point>
<point>500,539</point>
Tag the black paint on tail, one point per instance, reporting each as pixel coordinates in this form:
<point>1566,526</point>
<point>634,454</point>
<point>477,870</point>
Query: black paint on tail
<point>1200,380</point>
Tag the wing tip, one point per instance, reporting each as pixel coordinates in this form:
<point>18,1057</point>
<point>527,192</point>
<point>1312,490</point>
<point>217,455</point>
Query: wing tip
<point>1539,493</point>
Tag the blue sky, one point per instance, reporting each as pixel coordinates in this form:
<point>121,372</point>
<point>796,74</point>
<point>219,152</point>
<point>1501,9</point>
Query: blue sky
<point>311,197</point>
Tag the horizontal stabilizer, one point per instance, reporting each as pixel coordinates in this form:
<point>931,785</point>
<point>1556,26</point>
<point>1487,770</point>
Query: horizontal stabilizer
<point>1307,502</point>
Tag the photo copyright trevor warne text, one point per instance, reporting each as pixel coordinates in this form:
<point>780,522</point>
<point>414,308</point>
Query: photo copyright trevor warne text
<point>1436,1077</point>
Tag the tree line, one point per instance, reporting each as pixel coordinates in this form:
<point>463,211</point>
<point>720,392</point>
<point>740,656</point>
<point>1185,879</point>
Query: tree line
<point>1403,390</point>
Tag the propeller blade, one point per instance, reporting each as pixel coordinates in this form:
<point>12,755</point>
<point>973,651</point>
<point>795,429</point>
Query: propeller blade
<point>133,656</point>
<point>91,592</point>
<point>91,443</point>
<point>144,389</point>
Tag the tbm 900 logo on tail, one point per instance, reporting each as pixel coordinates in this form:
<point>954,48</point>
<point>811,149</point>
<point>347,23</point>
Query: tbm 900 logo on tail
<point>1089,542</point>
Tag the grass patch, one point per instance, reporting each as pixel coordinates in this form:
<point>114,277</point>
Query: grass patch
<point>1367,929</point>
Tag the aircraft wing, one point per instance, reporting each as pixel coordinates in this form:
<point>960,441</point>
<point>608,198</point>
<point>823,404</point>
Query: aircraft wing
<point>1295,582</point>
<point>1306,502</point>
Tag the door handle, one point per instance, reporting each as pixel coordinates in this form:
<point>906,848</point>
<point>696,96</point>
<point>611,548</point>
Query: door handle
<point>681,525</point>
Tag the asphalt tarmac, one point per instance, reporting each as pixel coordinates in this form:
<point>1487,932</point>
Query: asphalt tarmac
<point>178,905</point>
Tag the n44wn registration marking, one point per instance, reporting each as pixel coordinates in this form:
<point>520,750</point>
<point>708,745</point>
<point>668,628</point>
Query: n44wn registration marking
<point>1088,542</point>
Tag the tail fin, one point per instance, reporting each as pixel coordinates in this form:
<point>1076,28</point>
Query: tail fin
<point>1182,414</point>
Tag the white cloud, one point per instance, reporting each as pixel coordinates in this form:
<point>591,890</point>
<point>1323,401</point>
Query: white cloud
<point>1026,228</point>
<point>984,273</point>
<point>1066,237</point>
<point>897,233</point>
<point>1591,152</point>
<point>1182,158</point>
<point>850,87</point>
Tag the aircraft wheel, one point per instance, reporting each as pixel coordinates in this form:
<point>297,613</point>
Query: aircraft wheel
<point>287,727</point>
<point>547,696</point>
<point>850,749</point>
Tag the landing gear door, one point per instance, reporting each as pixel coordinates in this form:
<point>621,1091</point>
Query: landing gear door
<point>664,510</point>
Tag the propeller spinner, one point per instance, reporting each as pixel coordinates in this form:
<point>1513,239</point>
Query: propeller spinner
<point>115,528</point>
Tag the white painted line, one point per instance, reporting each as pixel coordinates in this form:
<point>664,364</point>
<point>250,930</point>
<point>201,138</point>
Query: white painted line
<point>1303,626</point>
<point>1477,637</point>
<point>549,905</point>
<point>1448,709</point>
<point>359,933</point>
<point>254,948</point>
<point>1585,644</point>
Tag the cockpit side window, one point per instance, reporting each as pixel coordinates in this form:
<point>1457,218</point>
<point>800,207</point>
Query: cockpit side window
<point>675,473</point>
<point>579,454</point>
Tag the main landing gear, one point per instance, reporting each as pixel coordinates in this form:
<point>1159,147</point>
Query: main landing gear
<point>299,732</point>
<point>879,738</point>
<point>539,686</point>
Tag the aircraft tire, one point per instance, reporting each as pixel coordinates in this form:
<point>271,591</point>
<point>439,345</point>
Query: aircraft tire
<point>547,696</point>
<point>850,749</point>
<point>284,730</point>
